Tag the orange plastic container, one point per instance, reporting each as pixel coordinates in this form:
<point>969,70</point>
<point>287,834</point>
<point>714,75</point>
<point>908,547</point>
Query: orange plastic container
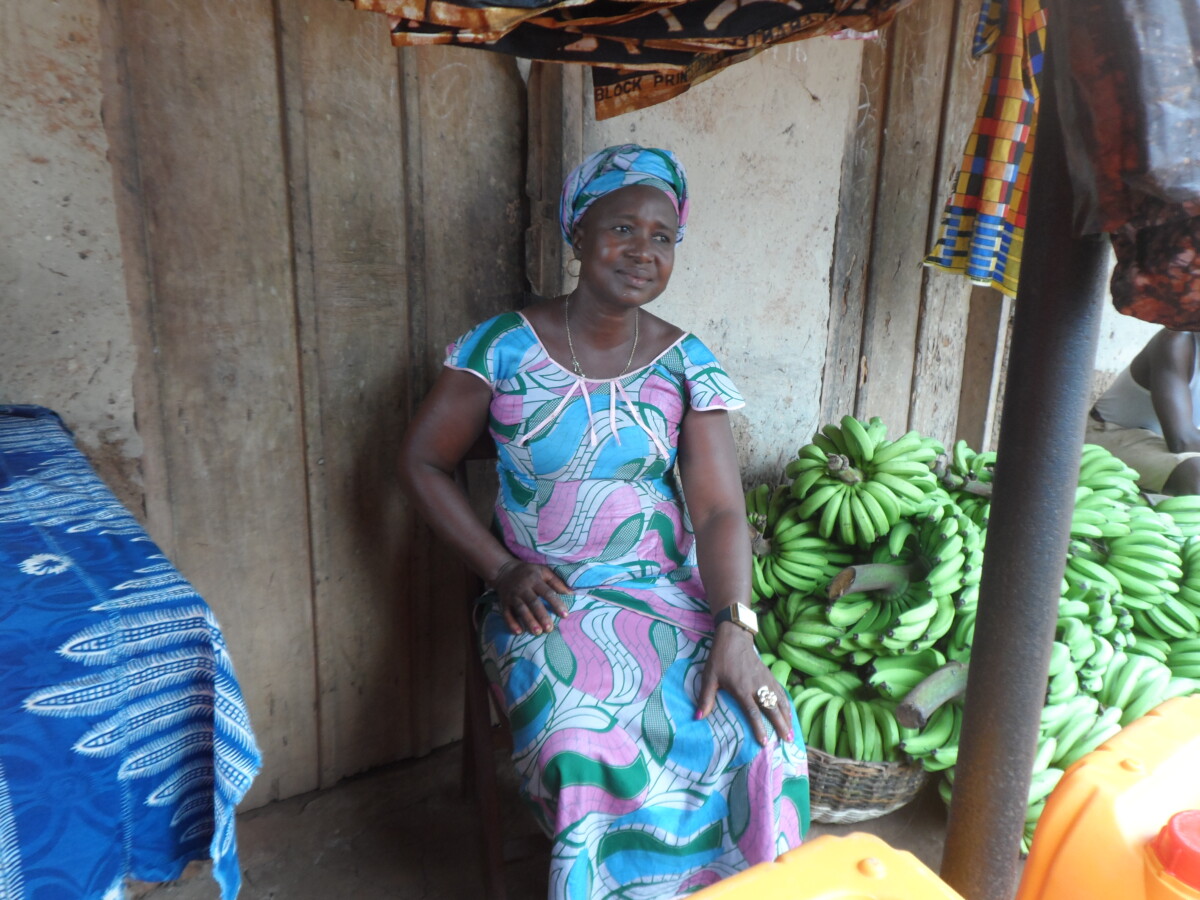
<point>854,867</point>
<point>1096,838</point>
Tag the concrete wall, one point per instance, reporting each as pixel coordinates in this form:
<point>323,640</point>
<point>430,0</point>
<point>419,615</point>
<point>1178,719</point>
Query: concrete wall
<point>1121,337</point>
<point>66,340</point>
<point>762,143</point>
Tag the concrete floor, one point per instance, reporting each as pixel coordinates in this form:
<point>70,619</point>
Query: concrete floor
<point>406,833</point>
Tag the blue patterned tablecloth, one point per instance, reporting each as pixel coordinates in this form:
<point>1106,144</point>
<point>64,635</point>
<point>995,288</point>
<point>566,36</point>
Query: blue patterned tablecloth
<point>124,740</point>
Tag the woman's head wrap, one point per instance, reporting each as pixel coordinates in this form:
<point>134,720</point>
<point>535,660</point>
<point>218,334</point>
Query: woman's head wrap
<point>616,167</point>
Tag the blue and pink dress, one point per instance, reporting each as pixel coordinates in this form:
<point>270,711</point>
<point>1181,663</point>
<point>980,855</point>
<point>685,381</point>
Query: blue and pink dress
<point>640,799</point>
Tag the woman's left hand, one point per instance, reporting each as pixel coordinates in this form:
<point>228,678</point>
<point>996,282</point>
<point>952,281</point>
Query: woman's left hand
<point>735,667</point>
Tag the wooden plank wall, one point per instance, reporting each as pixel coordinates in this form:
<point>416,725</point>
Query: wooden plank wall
<point>308,216</point>
<point>897,330</point>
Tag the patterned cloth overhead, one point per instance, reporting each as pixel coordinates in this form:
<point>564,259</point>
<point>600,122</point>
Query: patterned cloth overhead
<point>641,53</point>
<point>983,226</point>
<point>124,741</point>
<point>639,798</point>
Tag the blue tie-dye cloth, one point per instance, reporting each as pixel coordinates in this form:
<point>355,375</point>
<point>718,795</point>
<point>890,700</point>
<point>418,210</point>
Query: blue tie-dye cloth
<point>124,740</point>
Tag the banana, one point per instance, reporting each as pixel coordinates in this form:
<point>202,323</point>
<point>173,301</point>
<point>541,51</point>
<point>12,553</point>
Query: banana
<point>1075,729</point>
<point>818,499</point>
<point>1121,679</point>
<point>1151,689</point>
<point>804,482</point>
<point>936,732</point>
<point>904,445</point>
<point>1085,571</point>
<point>865,530</point>
<point>849,609</point>
<point>781,670</point>
<point>1140,567</point>
<point>916,472</point>
<point>762,590</point>
<point>872,736</point>
<point>889,729</point>
<point>829,513</point>
<point>854,728</point>
<point>942,576</point>
<point>898,536</point>
<point>858,441</point>
<point>1042,783</point>
<point>903,488</point>
<point>836,437</point>
<point>846,521</point>
<point>806,640</point>
<point>805,660</point>
<point>886,499</point>
<point>1140,589</point>
<point>831,723</point>
<point>920,612</point>
<point>1107,725</point>
<point>808,705</point>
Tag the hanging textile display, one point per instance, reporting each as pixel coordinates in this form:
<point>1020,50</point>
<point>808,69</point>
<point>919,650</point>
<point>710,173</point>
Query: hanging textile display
<point>1130,101</point>
<point>640,53</point>
<point>983,226</point>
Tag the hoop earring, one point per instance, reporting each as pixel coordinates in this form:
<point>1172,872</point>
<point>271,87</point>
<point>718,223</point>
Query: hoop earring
<point>578,266</point>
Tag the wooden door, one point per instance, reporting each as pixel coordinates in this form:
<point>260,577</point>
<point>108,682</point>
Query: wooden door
<point>308,217</point>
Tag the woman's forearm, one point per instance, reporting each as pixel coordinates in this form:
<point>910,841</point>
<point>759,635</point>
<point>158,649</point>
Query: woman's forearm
<point>723,555</point>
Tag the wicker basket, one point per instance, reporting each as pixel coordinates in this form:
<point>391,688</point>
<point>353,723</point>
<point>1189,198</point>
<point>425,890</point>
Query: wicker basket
<point>843,791</point>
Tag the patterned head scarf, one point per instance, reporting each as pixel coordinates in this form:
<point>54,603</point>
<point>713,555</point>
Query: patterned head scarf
<point>616,167</point>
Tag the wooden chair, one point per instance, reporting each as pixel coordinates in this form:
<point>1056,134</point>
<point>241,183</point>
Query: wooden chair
<point>482,738</point>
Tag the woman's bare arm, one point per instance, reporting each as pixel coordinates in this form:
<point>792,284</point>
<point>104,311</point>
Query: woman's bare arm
<point>713,491</point>
<point>448,423</point>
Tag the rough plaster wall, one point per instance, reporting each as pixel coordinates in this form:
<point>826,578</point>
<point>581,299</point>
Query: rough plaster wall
<point>762,143</point>
<point>66,341</point>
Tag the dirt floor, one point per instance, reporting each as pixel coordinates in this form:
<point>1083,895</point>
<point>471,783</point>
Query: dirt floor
<point>406,833</point>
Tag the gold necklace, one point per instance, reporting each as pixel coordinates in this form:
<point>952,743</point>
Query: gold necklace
<point>571,344</point>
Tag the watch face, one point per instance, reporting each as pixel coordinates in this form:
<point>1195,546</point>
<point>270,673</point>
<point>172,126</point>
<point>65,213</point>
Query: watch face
<point>746,617</point>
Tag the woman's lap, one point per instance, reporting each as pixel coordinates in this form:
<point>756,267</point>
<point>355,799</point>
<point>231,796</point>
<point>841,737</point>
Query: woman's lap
<point>630,786</point>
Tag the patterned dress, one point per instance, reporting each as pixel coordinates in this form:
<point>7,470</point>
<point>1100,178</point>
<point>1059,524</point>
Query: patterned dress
<point>639,798</point>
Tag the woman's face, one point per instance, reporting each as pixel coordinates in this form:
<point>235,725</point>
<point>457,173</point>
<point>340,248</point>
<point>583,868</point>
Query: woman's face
<point>626,245</point>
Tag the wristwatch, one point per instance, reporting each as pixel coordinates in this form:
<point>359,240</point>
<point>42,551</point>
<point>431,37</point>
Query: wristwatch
<point>739,614</point>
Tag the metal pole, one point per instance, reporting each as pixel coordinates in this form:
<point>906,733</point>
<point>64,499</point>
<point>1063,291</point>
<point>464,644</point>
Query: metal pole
<point>1059,300</point>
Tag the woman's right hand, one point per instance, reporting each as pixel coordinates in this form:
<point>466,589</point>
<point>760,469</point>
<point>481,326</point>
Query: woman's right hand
<point>522,587</point>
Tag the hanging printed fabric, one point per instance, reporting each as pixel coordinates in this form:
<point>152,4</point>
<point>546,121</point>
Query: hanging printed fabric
<point>640,53</point>
<point>983,226</point>
<point>1130,101</point>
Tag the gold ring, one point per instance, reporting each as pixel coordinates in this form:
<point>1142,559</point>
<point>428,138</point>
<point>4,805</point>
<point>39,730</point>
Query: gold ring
<point>767,698</point>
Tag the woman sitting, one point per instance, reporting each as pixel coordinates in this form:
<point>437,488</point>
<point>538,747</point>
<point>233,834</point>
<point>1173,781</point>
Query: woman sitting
<point>652,743</point>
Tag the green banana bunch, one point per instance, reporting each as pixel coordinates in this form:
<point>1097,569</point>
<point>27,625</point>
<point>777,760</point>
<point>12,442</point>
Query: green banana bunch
<point>788,555</point>
<point>855,483</point>
<point>1098,516</point>
<point>928,566</point>
<point>964,469</point>
<point>935,745</point>
<point>794,557</point>
<point>1189,583</point>
<point>808,645</point>
<point>1184,510</point>
<point>894,676</point>
<point>835,717</point>
<point>1183,659</point>
<point>1146,563</point>
<point>1136,684</point>
<point>1107,475</point>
